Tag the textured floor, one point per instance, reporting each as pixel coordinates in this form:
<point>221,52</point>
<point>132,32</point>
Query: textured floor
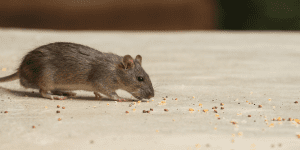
<point>242,70</point>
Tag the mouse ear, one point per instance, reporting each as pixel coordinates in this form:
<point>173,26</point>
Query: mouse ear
<point>139,59</point>
<point>128,62</point>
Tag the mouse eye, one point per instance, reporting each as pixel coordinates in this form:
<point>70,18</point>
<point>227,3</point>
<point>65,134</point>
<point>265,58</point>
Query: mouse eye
<point>140,78</point>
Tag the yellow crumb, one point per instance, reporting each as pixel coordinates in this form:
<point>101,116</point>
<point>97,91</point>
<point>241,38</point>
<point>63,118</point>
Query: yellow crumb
<point>152,99</point>
<point>269,99</point>
<point>200,105</point>
<point>139,101</point>
<point>191,109</point>
<point>233,135</point>
<point>216,115</point>
<point>133,109</point>
<point>46,107</point>
<point>107,104</point>
<point>193,96</point>
<point>240,133</point>
<point>215,128</point>
<point>297,120</point>
<point>3,69</point>
<point>298,135</point>
<point>157,131</point>
<point>205,110</point>
<point>271,125</point>
<point>279,119</point>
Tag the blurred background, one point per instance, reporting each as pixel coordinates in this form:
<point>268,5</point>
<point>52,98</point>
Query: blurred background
<point>151,14</point>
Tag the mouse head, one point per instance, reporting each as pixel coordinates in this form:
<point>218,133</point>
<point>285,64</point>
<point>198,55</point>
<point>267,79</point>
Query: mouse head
<point>134,78</point>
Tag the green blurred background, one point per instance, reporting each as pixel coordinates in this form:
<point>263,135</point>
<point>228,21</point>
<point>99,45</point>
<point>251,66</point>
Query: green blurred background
<point>151,14</point>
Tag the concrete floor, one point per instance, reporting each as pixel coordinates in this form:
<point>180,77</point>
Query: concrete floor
<point>240,69</point>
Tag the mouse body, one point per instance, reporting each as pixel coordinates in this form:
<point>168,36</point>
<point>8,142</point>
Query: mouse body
<point>62,67</point>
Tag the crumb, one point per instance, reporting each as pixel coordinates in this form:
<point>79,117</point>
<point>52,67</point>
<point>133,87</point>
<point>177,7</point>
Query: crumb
<point>59,119</point>
<point>126,112</point>
<point>58,106</point>
<point>63,107</point>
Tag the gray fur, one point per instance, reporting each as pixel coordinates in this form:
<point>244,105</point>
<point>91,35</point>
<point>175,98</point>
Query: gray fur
<point>64,66</point>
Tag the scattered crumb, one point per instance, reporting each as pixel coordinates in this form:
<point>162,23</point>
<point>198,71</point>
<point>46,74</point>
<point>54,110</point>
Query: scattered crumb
<point>46,107</point>
<point>249,115</point>
<point>240,134</point>
<point>133,109</point>
<point>200,105</point>
<point>259,106</point>
<point>191,109</point>
<point>58,111</point>
<point>157,131</point>
<point>152,99</point>
<point>151,109</point>
<point>296,102</point>
<point>139,101</point>
<point>126,112</point>
<point>216,115</point>
<point>222,104</point>
<point>63,107</point>
<point>173,119</point>
<point>107,104</point>
<point>269,99</point>
<point>279,119</point>
<point>5,112</point>
<point>33,127</point>
<point>59,119</point>
<point>233,135</point>
<point>176,99</point>
<point>271,125</point>
<point>3,69</point>
<point>193,96</point>
<point>222,107</point>
<point>58,106</point>
<point>166,109</point>
<point>205,110</point>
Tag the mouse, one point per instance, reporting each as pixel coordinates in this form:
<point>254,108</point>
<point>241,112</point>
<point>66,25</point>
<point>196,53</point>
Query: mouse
<point>57,69</point>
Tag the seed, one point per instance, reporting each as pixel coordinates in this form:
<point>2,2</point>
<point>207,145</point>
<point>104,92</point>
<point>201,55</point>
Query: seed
<point>296,102</point>
<point>6,112</point>
<point>222,104</point>
<point>126,112</point>
<point>144,111</point>
<point>219,118</point>
<point>215,111</point>
<point>151,109</point>
<point>58,106</point>
<point>148,111</point>
<point>33,126</point>
<point>216,107</point>
<point>222,107</point>
<point>58,111</point>
<point>249,115</point>
<point>191,109</point>
<point>259,106</point>
<point>166,110</point>
<point>59,119</point>
<point>63,107</point>
<point>176,99</point>
<point>283,119</point>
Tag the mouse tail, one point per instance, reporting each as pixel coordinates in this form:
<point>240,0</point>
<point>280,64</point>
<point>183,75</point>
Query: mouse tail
<point>12,77</point>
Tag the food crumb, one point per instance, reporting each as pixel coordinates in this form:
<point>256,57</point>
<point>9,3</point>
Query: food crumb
<point>151,109</point>
<point>126,112</point>
<point>107,104</point>
<point>215,111</point>
<point>205,110</point>
<point>249,115</point>
<point>58,111</point>
<point>3,69</point>
<point>269,99</point>
<point>191,109</point>
<point>216,115</point>
<point>166,109</point>
<point>259,106</point>
<point>298,135</point>
<point>152,99</point>
<point>271,125</point>
<point>240,134</point>
<point>144,111</point>
<point>46,107</point>
<point>63,107</point>
<point>296,102</point>
<point>33,127</point>
<point>58,106</point>
<point>176,99</point>
<point>279,119</point>
<point>139,101</point>
<point>200,105</point>
<point>59,119</point>
<point>193,96</point>
<point>222,104</point>
<point>133,109</point>
<point>222,107</point>
<point>148,111</point>
<point>6,112</point>
<point>157,131</point>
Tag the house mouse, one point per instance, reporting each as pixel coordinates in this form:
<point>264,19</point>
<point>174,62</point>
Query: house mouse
<point>62,67</point>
